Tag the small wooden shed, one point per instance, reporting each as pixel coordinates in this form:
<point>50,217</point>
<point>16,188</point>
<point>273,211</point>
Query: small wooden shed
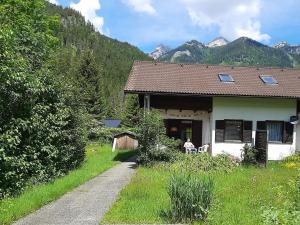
<point>125,140</point>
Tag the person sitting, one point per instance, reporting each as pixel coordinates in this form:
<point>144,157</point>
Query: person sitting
<point>189,147</point>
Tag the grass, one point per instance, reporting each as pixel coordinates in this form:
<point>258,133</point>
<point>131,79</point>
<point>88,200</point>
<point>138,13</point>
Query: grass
<point>238,198</point>
<point>99,159</point>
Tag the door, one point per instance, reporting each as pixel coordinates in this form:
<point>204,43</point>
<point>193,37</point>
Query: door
<point>184,129</point>
<point>197,133</point>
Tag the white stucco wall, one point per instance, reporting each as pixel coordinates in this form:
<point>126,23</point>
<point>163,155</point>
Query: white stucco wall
<point>204,116</point>
<point>254,109</point>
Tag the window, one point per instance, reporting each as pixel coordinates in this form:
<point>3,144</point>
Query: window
<point>275,131</point>
<point>278,131</point>
<point>226,77</point>
<point>233,130</point>
<point>268,79</point>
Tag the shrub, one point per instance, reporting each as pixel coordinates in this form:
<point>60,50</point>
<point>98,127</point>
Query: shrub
<point>153,144</point>
<point>293,158</point>
<point>191,196</point>
<point>249,155</point>
<point>203,163</point>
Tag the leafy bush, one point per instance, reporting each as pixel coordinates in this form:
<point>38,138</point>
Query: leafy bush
<point>292,161</point>
<point>249,155</point>
<point>41,127</point>
<point>203,163</point>
<point>289,212</point>
<point>153,144</point>
<point>191,196</point>
<point>293,158</point>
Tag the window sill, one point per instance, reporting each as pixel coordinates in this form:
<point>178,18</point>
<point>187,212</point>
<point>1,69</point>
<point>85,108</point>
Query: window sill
<point>279,143</point>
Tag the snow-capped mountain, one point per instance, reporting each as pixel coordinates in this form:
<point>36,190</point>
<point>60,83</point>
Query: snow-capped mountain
<point>286,47</point>
<point>281,44</point>
<point>217,42</point>
<point>159,51</point>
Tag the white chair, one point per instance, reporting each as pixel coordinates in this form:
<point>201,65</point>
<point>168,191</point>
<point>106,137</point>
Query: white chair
<point>188,150</point>
<point>203,149</point>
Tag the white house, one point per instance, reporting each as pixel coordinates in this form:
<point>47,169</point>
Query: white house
<point>223,106</point>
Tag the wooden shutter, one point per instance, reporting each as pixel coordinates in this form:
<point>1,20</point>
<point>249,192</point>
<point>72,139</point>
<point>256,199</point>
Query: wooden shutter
<point>220,127</point>
<point>247,132</point>
<point>261,125</point>
<point>288,133</point>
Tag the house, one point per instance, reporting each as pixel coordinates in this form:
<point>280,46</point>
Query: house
<point>112,123</point>
<point>223,106</point>
<point>125,140</point>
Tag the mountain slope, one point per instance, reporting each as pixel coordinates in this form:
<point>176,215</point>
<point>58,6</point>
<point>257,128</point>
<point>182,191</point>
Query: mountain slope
<point>243,51</point>
<point>115,57</point>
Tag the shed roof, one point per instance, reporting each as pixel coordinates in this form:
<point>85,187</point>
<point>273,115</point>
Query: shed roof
<point>129,133</point>
<point>204,80</point>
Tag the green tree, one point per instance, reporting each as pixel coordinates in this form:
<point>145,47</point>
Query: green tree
<point>41,132</point>
<point>131,116</point>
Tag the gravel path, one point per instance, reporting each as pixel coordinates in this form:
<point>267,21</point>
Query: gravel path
<point>87,204</point>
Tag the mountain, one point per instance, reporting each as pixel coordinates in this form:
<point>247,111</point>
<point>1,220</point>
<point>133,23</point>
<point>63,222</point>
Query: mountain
<point>286,47</point>
<point>242,51</point>
<point>115,58</point>
<point>217,42</point>
<point>159,51</point>
<point>190,52</point>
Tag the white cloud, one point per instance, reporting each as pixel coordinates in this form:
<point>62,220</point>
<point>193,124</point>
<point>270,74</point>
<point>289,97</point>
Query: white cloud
<point>54,2</point>
<point>89,8</point>
<point>144,6</point>
<point>235,18</point>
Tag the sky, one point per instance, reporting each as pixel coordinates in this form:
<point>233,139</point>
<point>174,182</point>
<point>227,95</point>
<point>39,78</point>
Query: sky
<point>148,23</point>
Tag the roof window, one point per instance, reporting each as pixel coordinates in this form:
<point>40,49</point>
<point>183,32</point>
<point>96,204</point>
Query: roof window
<point>268,79</point>
<point>226,77</point>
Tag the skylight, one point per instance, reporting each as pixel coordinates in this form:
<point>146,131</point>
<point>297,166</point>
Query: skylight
<point>268,79</point>
<point>226,77</point>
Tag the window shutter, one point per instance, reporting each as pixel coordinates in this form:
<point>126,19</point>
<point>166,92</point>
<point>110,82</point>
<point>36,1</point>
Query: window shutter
<point>288,133</point>
<point>247,132</point>
<point>261,125</point>
<point>220,127</point>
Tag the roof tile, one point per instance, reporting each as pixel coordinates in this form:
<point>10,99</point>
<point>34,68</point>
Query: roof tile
<point>200,79</point>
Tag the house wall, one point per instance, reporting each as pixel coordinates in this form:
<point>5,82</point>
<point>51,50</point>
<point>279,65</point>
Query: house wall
<point>254,109</point>
<point>191,115</point>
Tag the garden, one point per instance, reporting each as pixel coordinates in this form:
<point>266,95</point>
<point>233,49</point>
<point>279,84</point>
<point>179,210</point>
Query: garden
<point>171,187</point>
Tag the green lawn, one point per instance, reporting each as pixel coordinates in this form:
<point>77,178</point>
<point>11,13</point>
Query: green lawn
<point>238,196</point>
<point>99,159</point>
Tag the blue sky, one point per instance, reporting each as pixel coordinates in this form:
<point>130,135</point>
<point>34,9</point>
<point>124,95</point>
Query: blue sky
<point>148,23</point>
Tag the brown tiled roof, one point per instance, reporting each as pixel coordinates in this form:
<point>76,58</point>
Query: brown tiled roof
<point>198,79</point>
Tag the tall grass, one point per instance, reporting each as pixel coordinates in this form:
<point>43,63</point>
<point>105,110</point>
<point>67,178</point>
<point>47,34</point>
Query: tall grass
<point>99,159</point>
<point>191,196</point>
<point>238,195</point>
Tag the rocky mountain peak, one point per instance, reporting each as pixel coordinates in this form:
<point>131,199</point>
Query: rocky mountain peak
<point>281,44</point>
<point>159,51</point>
<point>194,43</point>
<point>217,42</point>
